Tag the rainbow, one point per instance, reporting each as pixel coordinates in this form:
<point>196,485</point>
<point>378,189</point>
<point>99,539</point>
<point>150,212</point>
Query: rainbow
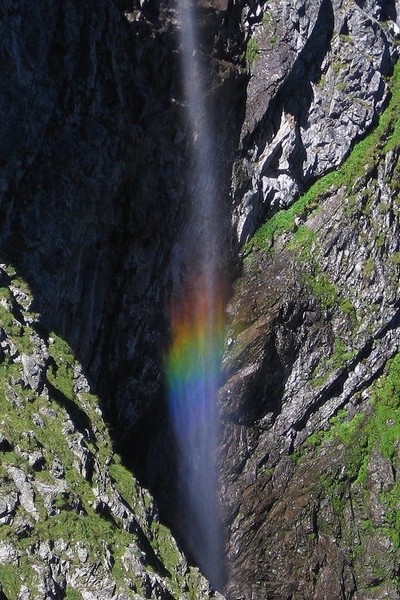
<point>193,375</point>
<point>197,323</point>
<point>193,362</point>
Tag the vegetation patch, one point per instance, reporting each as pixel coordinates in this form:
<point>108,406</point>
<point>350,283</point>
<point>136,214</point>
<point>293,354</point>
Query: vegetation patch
<point>303,242</point>
<point>252,50</point>
<point>385,426</point>
<point>324,290</point>
<point>281,222</point>
<point>379,430</point>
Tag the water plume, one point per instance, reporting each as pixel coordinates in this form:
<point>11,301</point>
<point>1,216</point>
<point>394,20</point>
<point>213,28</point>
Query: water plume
<point>197,309</point>
<point>193,381</point>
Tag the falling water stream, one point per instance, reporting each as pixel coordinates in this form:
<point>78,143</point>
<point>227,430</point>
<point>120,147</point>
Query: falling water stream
<point>197,317</point>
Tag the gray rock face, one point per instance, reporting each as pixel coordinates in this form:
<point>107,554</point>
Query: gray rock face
<point>32,372</point>
<point>25,490</point>
<point>314,320</point>
<point>93,191</point>
<point>317,84</point>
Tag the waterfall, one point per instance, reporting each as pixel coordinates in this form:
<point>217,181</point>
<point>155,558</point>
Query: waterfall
<point>197,316</point>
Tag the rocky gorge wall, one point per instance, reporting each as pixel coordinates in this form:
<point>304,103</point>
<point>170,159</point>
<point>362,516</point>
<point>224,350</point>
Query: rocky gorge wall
<point>93,171</point>
<point>74,522</point>
<point>94,164</point>
<point>94,176</point>
<point>309,436</point>
<point>311,402</point>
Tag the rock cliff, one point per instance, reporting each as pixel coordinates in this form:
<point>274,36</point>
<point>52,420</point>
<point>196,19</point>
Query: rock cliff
<point>74,521</point>
<point>310,423</point>
<point>310,402</point>
<point>94,174</point>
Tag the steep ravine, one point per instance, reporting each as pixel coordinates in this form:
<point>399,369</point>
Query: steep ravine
<point>74,523</point>
<point>93,165</point>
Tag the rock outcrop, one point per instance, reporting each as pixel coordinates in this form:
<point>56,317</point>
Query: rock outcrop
<point>317,84</point>
<point>73,521</point>
<point>310,401</point>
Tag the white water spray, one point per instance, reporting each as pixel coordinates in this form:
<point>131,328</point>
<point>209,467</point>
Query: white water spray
<point>197,318</point>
